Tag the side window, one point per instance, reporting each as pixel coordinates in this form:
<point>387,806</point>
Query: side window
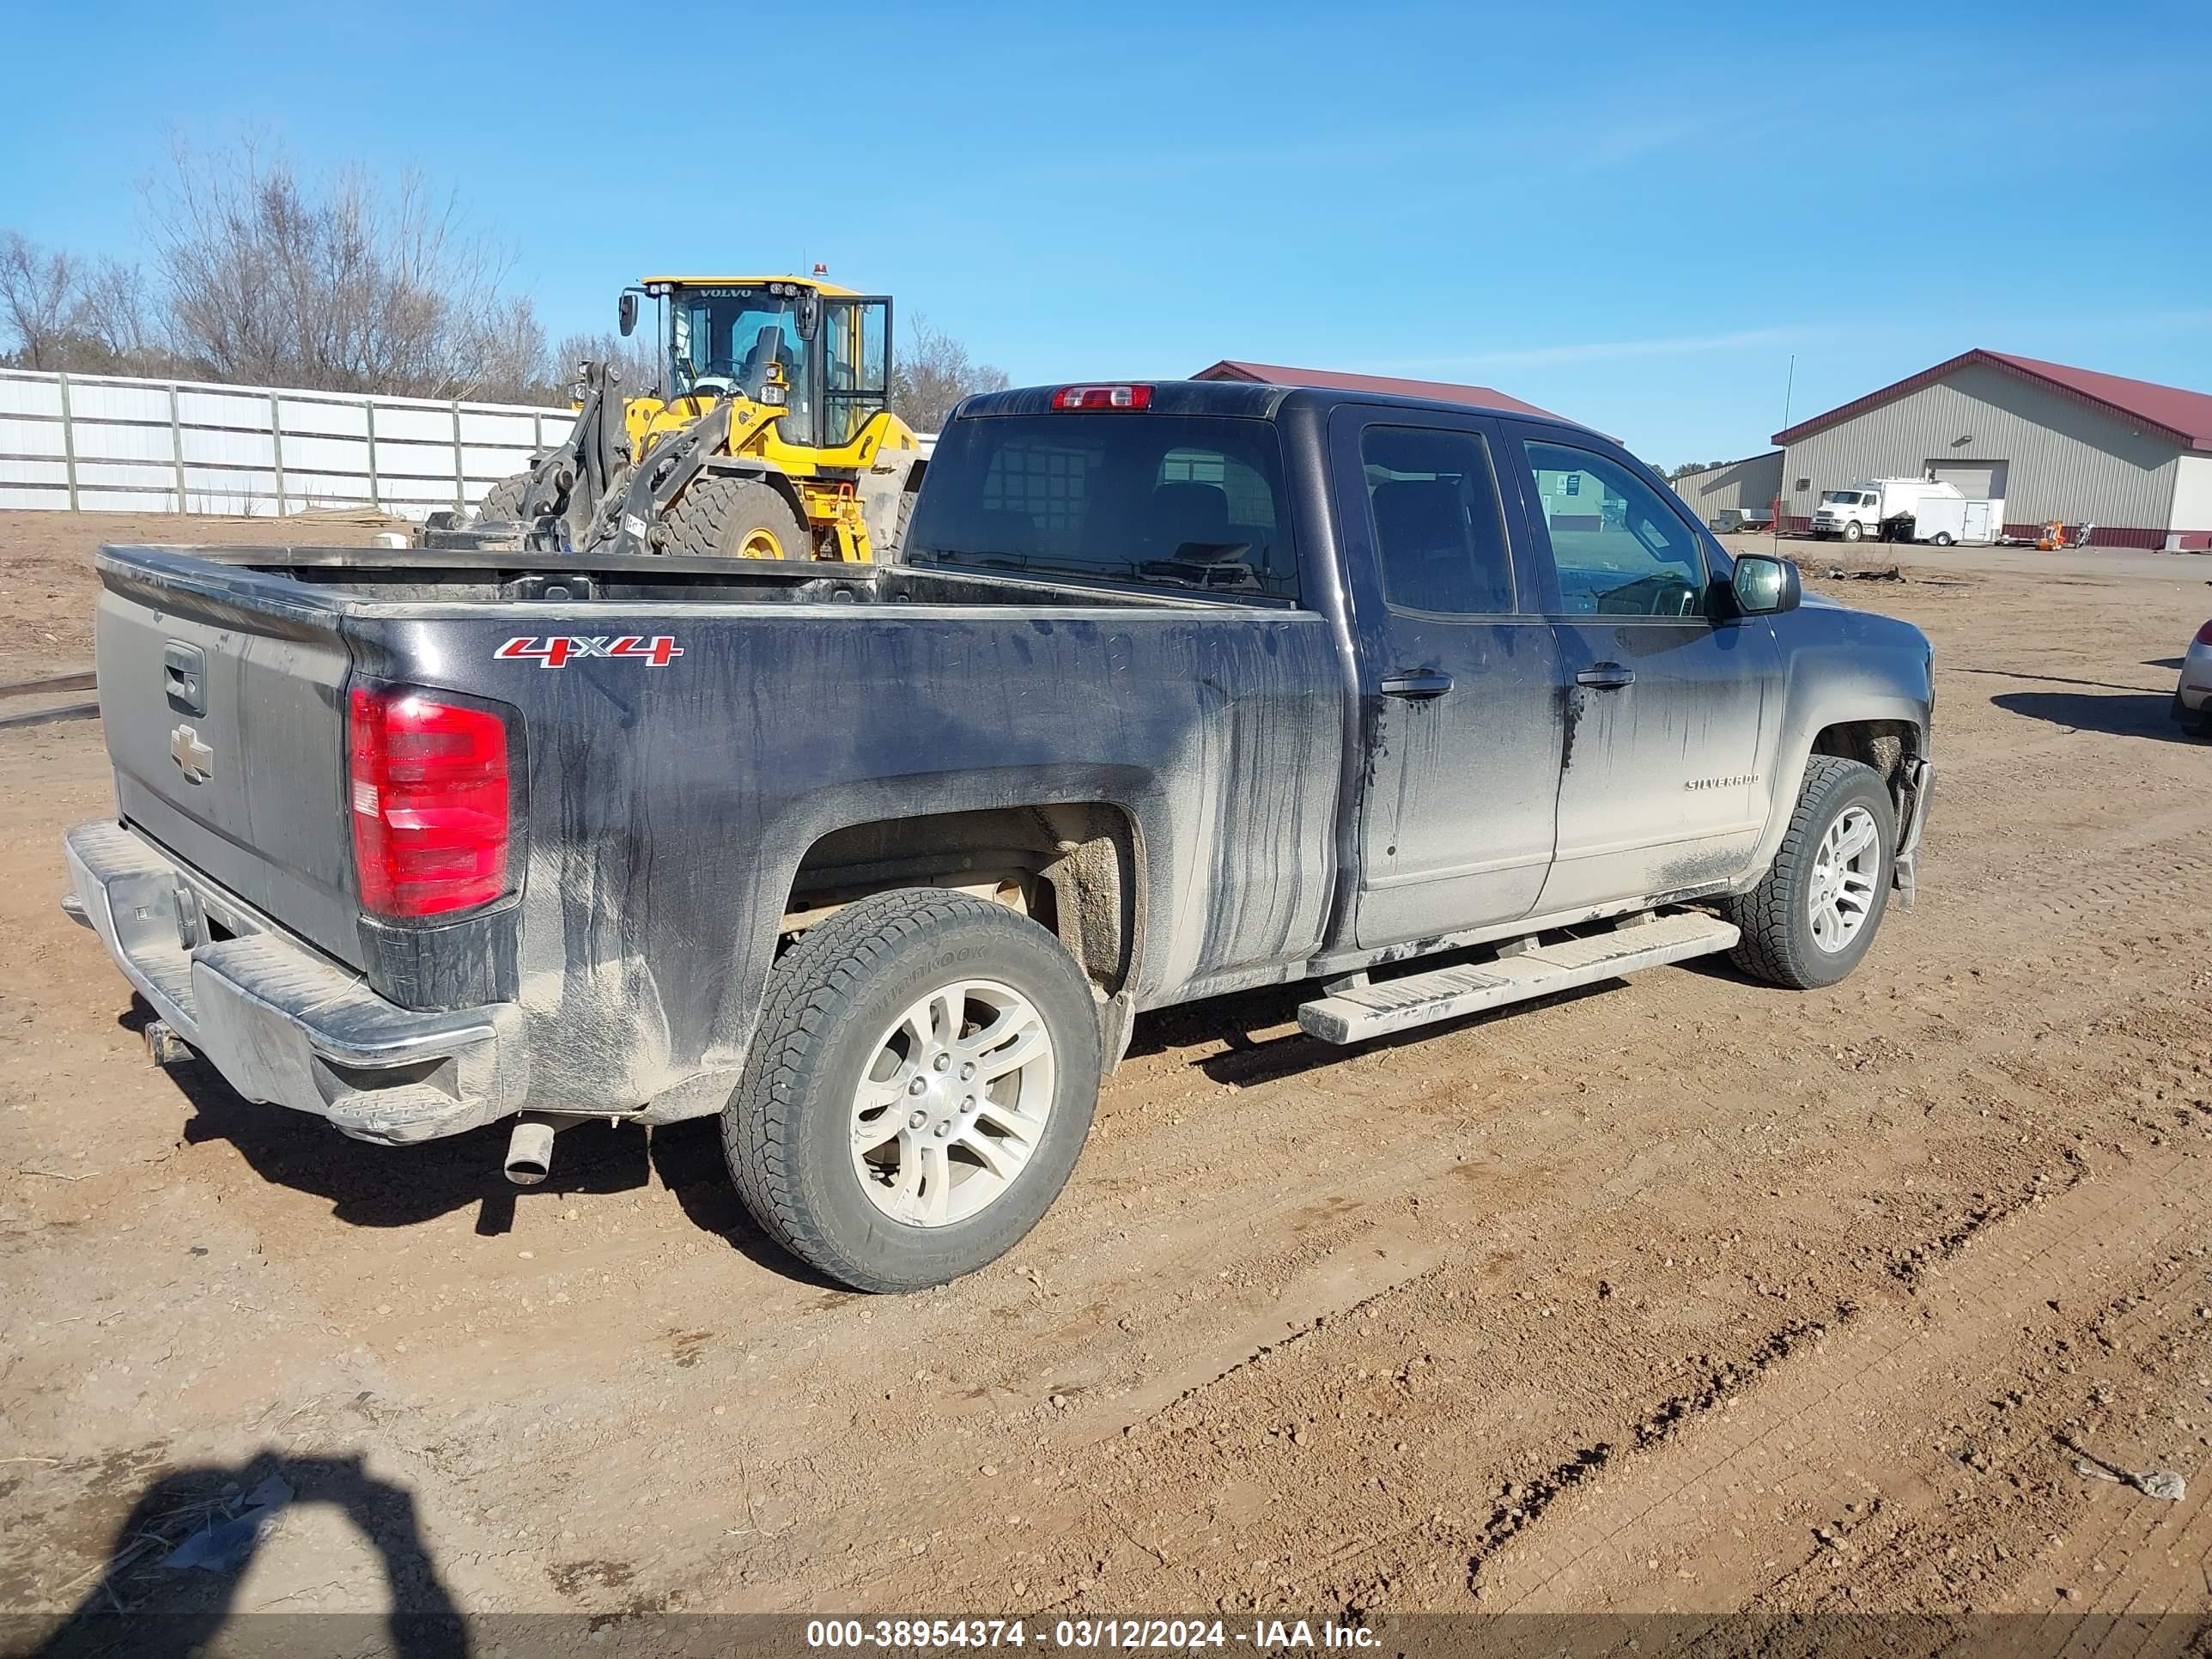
<point>1620,550</point>
<point>1439,534</point>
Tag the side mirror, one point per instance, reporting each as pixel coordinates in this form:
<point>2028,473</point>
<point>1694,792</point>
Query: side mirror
<point>810,315</point>
<point>626,310</point>
<point>1764,587</point>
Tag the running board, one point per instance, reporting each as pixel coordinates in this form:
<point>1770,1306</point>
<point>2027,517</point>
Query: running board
<point>1378,1010</point>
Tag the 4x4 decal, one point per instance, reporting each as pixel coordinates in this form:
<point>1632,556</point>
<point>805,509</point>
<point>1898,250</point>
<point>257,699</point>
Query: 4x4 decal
<point>559,650</point>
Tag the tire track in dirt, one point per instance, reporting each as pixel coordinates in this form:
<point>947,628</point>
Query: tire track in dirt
<point>1803,1431</point>
<point>1615,1221</point>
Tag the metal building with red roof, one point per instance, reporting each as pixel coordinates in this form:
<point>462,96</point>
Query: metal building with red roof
<point>2055,443</point>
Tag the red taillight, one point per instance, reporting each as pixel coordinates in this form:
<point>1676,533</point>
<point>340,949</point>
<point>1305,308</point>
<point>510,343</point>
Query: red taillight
<point>1102,397</point>
<point>429,800</point>
<point>2204,634</point>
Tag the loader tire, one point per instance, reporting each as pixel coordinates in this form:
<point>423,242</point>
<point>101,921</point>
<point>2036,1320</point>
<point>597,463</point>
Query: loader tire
<point>735,519</point>
<point>898,530</point>
<point>504,499</point>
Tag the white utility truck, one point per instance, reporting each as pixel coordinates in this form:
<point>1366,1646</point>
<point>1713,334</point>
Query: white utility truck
<point>1861,510</point>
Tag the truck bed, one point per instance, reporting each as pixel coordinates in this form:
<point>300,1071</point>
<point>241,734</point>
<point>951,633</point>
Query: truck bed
<point>711,723</point>
<point>383,575</point>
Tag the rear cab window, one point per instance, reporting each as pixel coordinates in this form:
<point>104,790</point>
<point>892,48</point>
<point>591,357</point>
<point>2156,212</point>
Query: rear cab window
<point>1179,502</point>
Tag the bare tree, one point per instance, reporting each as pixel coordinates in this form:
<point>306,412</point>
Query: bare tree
<point>931,372</point>
<point>344,286</point>
<point>66,313</point>
<point>38,290</point>
<point>638,358</point>
<point>113,329</point>
<point>257,276</point>
<point>503,354</point>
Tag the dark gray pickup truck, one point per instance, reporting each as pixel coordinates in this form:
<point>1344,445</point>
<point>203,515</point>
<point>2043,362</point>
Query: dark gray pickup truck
<point>1178,690</point>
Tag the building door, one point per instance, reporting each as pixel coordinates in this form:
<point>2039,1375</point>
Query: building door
<point>1977,481</point>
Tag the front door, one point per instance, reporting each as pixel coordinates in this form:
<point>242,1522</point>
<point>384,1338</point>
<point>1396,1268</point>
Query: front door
<point>1659,787</point>
<point>1460,679</point>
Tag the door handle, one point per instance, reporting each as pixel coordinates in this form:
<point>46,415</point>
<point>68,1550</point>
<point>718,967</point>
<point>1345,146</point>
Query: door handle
<point>1606,677</point>
<point>1416,683</point>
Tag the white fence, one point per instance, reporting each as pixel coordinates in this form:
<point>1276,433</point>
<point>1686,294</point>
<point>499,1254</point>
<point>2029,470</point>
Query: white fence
<point>103,442</point>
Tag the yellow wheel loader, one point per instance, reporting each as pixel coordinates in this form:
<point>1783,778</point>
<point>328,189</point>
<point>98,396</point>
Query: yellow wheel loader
<point>771,436</point>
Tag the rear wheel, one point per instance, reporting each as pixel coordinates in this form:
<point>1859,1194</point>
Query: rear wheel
<point>918,1090</point>
<point>735,518</point>
<point>1814,915</point>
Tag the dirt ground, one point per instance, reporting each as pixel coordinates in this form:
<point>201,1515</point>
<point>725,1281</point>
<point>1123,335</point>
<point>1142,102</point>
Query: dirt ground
<point>1684,1295</point>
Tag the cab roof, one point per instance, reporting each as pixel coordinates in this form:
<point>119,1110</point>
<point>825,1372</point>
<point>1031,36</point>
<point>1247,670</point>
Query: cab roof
<point>814,282</point>
<point>1255,400</point>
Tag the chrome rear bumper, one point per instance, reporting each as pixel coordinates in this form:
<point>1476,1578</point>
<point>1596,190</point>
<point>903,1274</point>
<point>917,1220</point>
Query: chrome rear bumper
<point>283,1023</point>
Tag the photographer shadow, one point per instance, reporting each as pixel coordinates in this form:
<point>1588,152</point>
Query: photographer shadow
<point>137,1606</point>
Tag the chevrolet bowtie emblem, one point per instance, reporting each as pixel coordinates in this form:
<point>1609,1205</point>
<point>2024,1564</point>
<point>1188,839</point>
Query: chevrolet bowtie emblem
<point>193,758</point>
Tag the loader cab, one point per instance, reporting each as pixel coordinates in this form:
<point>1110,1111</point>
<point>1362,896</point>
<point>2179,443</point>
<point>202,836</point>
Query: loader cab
<point>822,355</point>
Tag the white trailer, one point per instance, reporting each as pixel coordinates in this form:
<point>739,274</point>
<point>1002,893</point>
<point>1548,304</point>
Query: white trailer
<point>1942,521</point>
<point>1860,510</point>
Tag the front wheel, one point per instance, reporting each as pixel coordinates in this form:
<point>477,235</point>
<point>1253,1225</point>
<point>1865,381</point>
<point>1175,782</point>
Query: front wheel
<point>1854,531</point>
<point>1816,911</point>
<point>720,517</point>
<point>918,1091</point>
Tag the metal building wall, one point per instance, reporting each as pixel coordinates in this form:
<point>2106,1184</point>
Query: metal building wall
<point>1752,482</point>
<point>2066,460</point>
<point>2192,494</point>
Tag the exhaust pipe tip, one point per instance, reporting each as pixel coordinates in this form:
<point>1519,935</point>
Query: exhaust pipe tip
<point>530,1152</point>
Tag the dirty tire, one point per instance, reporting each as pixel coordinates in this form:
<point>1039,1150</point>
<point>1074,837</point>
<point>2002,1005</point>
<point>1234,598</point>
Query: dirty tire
<point>787,1130</point>
<point>716,518</point>
<point>1778,945</point>
<point>504,499</point>
<point>905,518</point>
<point>1852,533</point>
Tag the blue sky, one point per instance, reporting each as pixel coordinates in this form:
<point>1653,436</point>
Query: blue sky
<point>1628,214</point>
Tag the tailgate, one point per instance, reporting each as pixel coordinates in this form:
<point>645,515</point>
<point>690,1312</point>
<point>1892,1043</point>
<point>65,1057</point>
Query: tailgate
<point>225,721</point>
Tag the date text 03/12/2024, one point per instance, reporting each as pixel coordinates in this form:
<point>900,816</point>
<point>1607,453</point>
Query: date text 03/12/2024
<point>1155,1635</point>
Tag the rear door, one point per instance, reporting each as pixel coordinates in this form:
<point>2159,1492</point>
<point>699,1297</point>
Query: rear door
<point>226,728</point>
<point>1460,678</point>
<point>1659,789</point>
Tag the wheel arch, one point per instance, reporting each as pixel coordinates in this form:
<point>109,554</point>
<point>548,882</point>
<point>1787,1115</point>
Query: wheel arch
<point>754,469</point>
<point>1079,851</point>
<point>1889,734</point>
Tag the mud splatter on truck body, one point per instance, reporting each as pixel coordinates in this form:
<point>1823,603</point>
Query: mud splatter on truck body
<point>1220,766</point>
